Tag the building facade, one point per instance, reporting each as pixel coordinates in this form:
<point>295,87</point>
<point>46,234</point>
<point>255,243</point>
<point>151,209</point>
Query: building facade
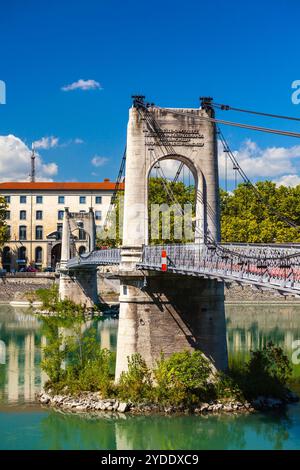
<point>35,215</point>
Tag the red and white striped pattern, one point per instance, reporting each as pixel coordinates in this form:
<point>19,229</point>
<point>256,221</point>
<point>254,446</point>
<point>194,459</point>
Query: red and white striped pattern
<point>164,266</point>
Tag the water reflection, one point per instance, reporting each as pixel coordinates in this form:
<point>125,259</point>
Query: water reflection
<point>57,430</point>
<point>21,340</point>
<point>251,327</point>
<point>248,327</point>
<point>21,343</point>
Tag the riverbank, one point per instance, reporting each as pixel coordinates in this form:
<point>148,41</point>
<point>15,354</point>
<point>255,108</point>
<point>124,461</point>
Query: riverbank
<point>93,402</point>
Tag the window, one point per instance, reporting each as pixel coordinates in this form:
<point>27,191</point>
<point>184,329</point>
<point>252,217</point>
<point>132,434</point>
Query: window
<point>7,215</point>
<point>6,258</point>
<point>7,199</point>
<point>39,199</point>
<point>98,199</point>
<point>61,199</point>
<point>82,234</point>
<point>39,232</point>
<point>82,199</point>
<point>22,215</point>
<point>22,199</point>
<point>22,254</point>
<point>38,255</point>
<point>22,232</point>
<point>60,215</point>
<point>8,230</point>
<point>59,231</point>
<point>39,215</point>
<point>81,250</point>
<point>98,215</point>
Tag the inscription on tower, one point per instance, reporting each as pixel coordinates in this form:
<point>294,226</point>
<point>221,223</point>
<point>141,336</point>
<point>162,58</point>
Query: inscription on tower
<point>175,138</point>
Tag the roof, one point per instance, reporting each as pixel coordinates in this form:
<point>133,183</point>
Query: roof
<point>47,186</point>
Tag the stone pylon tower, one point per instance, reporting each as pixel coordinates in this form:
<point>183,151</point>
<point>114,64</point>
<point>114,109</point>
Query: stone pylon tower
<point>164,312</point>
<point>81,285</point>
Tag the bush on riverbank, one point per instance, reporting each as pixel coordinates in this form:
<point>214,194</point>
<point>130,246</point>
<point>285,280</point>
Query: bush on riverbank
<point>267,373</point>
<point>74,362</point>
<point>184,378</point>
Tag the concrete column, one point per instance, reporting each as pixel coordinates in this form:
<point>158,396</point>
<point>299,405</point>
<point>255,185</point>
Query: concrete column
<point>65,243</point>
<point>91,230</point>
<point>135,189</point>
<point>172,313</point>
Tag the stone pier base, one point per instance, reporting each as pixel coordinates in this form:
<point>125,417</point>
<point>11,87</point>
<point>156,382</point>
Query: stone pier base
<point>171,313</point>
<point>80,286</point>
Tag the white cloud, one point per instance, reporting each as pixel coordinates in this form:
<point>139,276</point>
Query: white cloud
<point>78,141</point>
<point>261,163</point>
<point>15,161</point>
<point>168,168</point>
<point>288,180</point>
<point>99,161</point>
<point>46,143</point>
<point>83,85</point>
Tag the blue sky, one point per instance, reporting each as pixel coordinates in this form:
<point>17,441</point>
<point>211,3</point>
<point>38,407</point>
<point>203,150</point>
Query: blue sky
<point>171,51</point>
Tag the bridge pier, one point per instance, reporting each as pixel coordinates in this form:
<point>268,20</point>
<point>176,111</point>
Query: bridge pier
<point>170,314</point>
<point>80,286</point>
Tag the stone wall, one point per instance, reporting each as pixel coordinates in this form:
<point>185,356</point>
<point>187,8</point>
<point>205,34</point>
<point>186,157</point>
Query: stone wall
<point>79,286</point>
<point>237,293</point>
<point>15,287</point>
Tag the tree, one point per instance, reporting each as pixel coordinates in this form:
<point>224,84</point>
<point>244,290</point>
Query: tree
<point>244,218</point>
<point>159,193</point>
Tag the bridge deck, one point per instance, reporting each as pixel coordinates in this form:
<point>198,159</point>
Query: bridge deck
<point>264,266</point>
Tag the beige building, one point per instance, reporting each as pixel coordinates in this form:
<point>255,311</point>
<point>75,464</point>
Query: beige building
<point>35,216</point>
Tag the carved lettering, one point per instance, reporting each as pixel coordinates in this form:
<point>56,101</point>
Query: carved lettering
<point>175,138</point>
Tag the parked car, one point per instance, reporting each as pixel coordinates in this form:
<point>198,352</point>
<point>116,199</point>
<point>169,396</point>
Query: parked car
<point>31,269</point>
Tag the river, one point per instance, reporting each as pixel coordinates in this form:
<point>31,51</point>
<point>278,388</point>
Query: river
<point>26,425</point>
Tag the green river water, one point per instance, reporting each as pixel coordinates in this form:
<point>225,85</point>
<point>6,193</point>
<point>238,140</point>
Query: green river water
<point>26,425</point>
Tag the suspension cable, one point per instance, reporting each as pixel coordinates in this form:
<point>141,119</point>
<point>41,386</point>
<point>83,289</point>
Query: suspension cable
<point>226,107</point>
<point>249,183</point>
<point>116,190</point>
<point>160,135</point>
<point>235,124</point>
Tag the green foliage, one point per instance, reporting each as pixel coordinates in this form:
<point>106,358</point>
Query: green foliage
<point>184,378</point>
<point>159,191</point>
<point>135,384</point>
<point>266,373</point>
<point>245,219</point>
<point>72,358</point>
<point>112,235</point>
<point>226,388</point>
<point>3,226</point>
<point>48,297</point>
<point>75,362</point>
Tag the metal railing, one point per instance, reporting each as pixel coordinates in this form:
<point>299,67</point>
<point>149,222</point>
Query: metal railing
<point>98,258</point>
<point>263,265</point>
